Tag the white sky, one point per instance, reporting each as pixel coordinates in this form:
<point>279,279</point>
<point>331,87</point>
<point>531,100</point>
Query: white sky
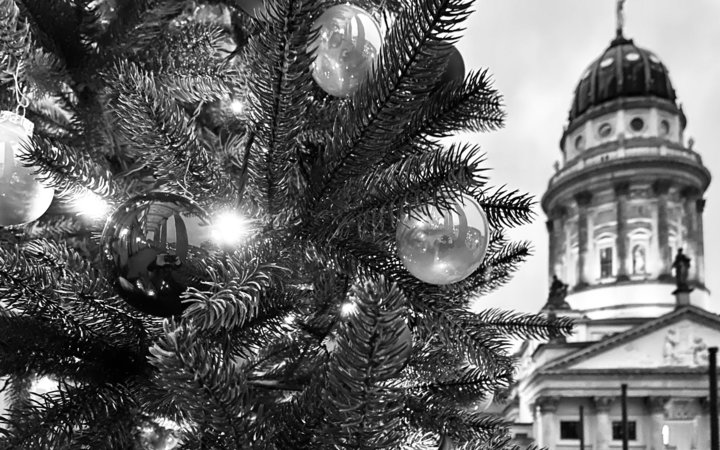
<point>537,50</point>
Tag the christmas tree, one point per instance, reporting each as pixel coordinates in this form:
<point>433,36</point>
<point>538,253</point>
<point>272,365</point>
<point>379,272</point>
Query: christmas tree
<point>318,130</point>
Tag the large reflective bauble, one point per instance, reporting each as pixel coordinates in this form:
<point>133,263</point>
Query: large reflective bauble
<point>443,246</point>
<point>23,198</point>
<point>153,248</point>
<point>348,41</point>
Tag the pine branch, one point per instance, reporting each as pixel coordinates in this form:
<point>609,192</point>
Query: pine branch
<point>54,418</point>
<point>15,39</point>
<point>278,82</point>
<point>470,106</point>
<point>368,352</point>
<point>524,326</point>
<point>230,305</point>
<point>405,72</point>
<point>506,208</point>
<point>71,170</point>
<point>202,380</point>
<point>160,134</point>
<point>436,178</point>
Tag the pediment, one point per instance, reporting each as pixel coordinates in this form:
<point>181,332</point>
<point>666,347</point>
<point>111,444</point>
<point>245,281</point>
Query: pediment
<point>677,340</point>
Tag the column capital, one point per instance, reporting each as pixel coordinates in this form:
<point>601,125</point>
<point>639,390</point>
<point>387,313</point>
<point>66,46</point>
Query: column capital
<point>583,198</point>
<point>700,205</point>
<point>656,404</point>
<point>603,404</point>
<point>558,212</point>
<point>690,192</point>
<point>547,404</point>
<point>662,186</point>
<point>622,188</point>
<point>705,404</point>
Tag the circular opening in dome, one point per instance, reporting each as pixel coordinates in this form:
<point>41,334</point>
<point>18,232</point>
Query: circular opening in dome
<point>579,143</point>
<point>654,58</point>
<point>637,124</point>
<point>664,127</point>
<point>632,56</point>
<point>606,62</point>
<point>605,130</point>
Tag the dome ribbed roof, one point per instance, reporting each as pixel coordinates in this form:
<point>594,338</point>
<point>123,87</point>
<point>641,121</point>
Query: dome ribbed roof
<point>623,70</point>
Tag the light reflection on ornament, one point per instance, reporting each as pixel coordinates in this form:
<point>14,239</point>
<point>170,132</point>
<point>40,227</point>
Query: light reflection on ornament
<point>345,48</point>
<point>443,246</point>
<point>23,198</point>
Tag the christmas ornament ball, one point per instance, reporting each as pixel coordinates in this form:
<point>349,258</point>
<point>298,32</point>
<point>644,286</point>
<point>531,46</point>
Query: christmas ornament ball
<point>443,246</point>
<point>455,69</point>
<point>153,246</point>
<point>23,198</point>
<point>348,41</point>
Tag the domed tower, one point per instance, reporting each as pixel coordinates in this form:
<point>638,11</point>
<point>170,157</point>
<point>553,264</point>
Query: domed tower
<point>629,191</point>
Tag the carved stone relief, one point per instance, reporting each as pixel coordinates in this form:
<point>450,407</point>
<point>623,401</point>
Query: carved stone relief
<point>682,347</point>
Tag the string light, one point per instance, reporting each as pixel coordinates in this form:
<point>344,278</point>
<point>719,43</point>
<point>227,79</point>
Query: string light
<point>230,228</point>
<point>237,107</point>
<point>348,308</point>
<point>91,205</point>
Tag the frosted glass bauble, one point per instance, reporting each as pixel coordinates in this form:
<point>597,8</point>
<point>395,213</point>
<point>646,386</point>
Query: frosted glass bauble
<point>348,41</point>
<point>153,247</point>
<point>443,246</point>
<point>23,197</point>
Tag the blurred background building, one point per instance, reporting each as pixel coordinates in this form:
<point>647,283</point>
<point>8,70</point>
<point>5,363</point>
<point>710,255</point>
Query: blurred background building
<point>625,224</point>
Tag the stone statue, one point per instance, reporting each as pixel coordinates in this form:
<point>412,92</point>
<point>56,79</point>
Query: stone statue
<point>670,356</point>
<point>699,349</point>
<point>682,271</point>
<point>556,297</point>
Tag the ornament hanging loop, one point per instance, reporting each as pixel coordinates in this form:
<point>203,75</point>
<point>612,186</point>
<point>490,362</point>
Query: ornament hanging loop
<point>22,100</point>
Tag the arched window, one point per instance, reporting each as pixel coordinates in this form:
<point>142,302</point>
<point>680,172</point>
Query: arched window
<point>606,256</point>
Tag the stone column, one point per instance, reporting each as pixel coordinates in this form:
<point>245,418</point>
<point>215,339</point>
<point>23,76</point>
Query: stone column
<point>603,425</point>
<point>556,229</point>
<point>622,190</point>
<point>583,200</point>
<point>700,248</point>
<point>661,188</point>
<point>656,408</point>
<point>550,426</point>
<point>690,194</point>
<point>552,238</point>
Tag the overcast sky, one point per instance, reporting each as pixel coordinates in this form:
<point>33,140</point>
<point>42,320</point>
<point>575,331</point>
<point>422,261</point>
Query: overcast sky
<point>537,51</point>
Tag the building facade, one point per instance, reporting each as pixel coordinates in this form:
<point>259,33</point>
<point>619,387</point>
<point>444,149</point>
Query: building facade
<point>627,197</point>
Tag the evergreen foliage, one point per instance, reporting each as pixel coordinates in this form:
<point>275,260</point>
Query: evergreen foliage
<point>128,96</point>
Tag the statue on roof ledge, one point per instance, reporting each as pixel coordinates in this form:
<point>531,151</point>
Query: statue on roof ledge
<point>682,271</point>
<point>556,297</point>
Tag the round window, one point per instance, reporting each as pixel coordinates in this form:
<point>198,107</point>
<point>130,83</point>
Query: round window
<point>664,127</point>
<point>579,143</point>
<point>606,62</point>
<point>632,56</point>
<point>637,124</point>
<point>605,130</point>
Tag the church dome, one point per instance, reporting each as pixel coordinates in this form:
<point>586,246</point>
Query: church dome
<point>623,70</point>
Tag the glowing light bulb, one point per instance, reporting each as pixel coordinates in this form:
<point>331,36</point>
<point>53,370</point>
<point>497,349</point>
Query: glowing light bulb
<point>229,228</point>
<point>91,205</point>
<point>348,308</point>
<point>237,107</point>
